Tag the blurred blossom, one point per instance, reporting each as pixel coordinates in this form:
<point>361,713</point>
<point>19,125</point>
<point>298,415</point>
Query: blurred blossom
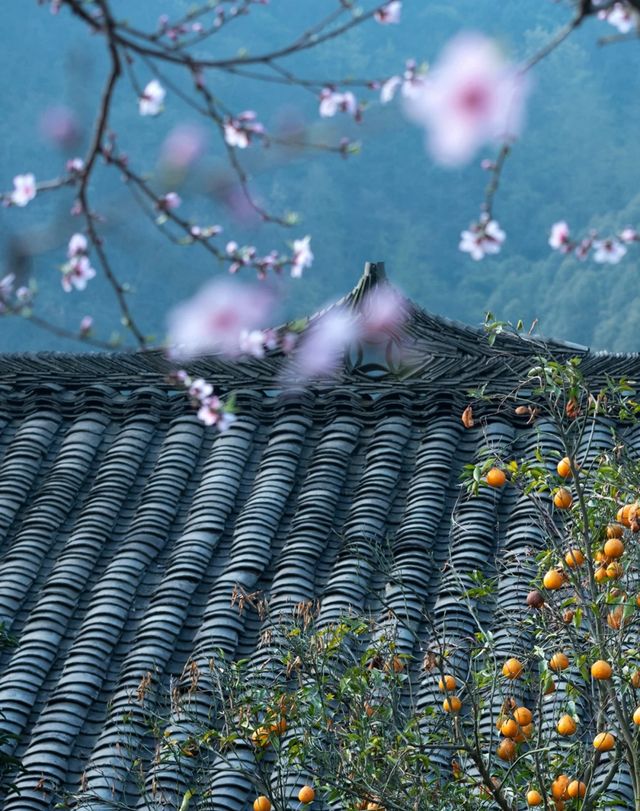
<point>252,342</point>
<point>6,286</point>
<point>24,189</point>
<point>470,97</point>
<point>183,146</point>
<point>325,342</point>
<point>152,99</point>
<point>482,238</point>
<point>332,102</point>
<point>24,295</point>
<point>60,125</point>
<point>390,13</point>
<point>383,311</point>
<point>608,251</point>
<point>302,256</point>
<point>213,320</point>
<point>86,325</point>
<point>559,239</point>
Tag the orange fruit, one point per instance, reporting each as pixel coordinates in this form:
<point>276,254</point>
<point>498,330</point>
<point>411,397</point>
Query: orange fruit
<point>615,531</point>
<point>564,468</point>
<point>558,662</point>
<point>262,803</point>
<point>373,806</point>
<point>635,679</point>
<point>636,716</point>
<point>614,548</point>
<point>534,797</point>
<point>523,716</point>
<point>452,704</point>
<point>509,728</point>
<point>527,731</point>
<point>566,725</point>
<point>496,477</point>
<point>576,788</point>
<point>601,670</point>
<point>447,683</point>
<point>574,558</point>
<point>559,787</point>
<point>550,688</point>
<point>306,795</point>
<point>512,668</point>
<point>604,741</point>
<point>638,600</point>
<point>615,570</point>
<point>600,574</point>
<point>553,579</point>
<point>562,499</point>
<point>506,750</point>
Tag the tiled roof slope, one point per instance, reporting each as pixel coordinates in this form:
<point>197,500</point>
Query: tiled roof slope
<point>126,525</point>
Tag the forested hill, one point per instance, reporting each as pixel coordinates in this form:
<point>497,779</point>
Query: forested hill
<point>577,160</point>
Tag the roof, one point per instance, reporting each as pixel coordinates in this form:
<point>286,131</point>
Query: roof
<point>126,525</point>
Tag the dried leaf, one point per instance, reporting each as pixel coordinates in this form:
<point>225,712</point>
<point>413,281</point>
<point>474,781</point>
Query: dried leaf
<point>467,417</point>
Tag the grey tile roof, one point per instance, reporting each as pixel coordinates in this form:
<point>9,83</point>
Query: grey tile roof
<point>126,525</point>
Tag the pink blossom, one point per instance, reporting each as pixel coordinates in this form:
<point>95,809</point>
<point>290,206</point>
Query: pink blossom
<point>170,201</point>
<point>584,246</point>
<point>559,239</point>
<point>608,251</point>
<point>471,97</point>
<point>410,83</point>
<point>152,99</point>
<point>621,16</point>
<point>487,165</point>
<point>482,238</point>
<point>183,146</point>
<point>390,13</point>
<point>78,245</point>
<point>200,389</point>
<point>302,256</point>
<point>86,325</point>
<point>24,189</point>
<point>629,234</point>
<point>211,412</point>
<point>332,102</point>
<point>75,165</point>
<point>76,273</point>
<point>239,131</point>
<point>325,342</point>
<point>214,318</point>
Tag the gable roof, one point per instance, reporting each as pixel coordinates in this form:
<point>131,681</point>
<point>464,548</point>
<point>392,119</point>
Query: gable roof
<point>126,525</point>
